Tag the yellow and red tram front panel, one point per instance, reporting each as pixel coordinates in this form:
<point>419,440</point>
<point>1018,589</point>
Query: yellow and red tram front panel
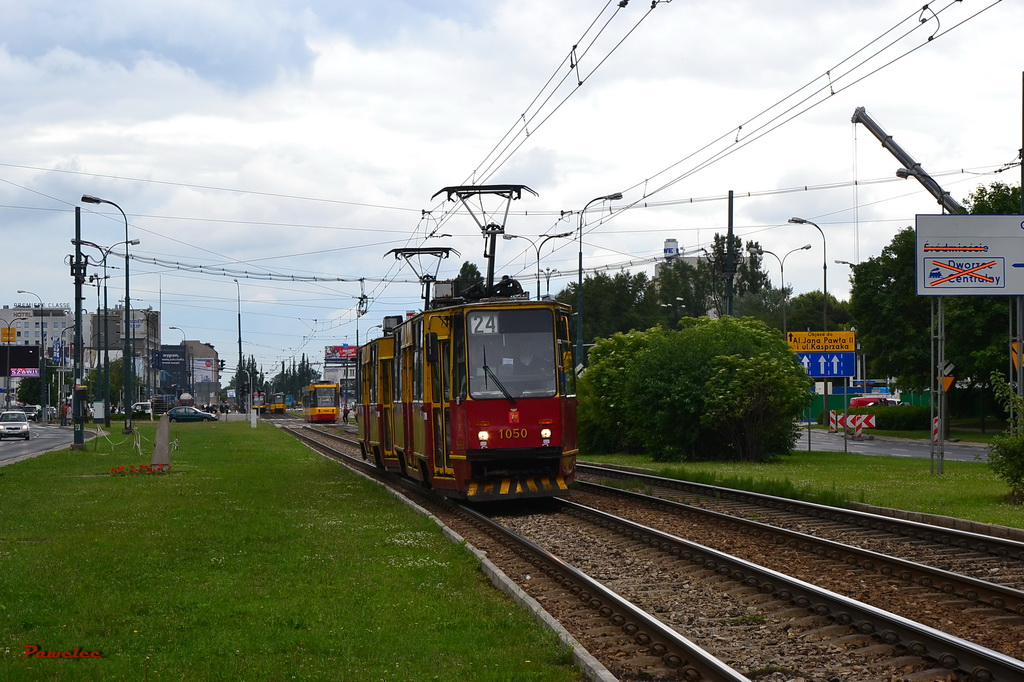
<point>320,403</point>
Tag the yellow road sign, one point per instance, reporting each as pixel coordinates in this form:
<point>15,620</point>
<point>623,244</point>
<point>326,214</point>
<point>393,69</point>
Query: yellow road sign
<point>821,342</point>
<point>7,335</point>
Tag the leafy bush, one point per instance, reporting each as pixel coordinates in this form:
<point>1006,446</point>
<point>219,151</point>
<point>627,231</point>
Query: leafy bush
<point>1006,452</point>
<point>604,425</point>
<point>715,389</point>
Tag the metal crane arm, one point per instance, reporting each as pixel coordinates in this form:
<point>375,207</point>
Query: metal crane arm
<point>910,166</point>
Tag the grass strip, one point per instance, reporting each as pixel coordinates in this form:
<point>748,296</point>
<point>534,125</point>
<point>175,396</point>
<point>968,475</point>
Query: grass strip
<point>253,559</point>
<point>967,490</point>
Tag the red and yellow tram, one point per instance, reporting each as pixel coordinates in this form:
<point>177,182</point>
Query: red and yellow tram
<point>320,403</point>
<point>475,400</point>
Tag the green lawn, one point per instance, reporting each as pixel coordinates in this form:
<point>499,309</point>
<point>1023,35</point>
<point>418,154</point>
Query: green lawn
<point>966,490</point>
<point>254,559</point>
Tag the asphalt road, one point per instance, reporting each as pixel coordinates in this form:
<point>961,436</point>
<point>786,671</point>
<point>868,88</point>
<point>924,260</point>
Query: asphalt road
<point>45,437</point>
<point>894,447</point>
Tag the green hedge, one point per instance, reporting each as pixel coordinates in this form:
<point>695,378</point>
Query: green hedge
<point>897,417</point>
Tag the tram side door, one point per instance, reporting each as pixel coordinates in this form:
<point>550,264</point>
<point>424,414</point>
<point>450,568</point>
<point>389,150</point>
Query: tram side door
<point>440,370</point>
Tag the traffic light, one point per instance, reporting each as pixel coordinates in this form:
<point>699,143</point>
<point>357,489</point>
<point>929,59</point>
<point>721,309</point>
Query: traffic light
<point>221,364</point>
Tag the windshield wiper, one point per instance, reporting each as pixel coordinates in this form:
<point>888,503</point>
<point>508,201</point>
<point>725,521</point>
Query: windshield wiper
<point>501,387</point>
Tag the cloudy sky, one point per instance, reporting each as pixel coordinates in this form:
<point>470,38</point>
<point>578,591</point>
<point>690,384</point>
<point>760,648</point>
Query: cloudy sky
<point>262,141</point>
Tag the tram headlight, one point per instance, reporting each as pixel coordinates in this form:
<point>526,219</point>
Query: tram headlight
<point>482,436</point>
<point>545,433</point>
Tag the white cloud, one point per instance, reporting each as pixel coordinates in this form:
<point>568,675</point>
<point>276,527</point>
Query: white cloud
<point>330,126</point>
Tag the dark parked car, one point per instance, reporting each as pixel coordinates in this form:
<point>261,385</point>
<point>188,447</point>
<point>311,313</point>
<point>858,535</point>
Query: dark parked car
<point>185,413</point>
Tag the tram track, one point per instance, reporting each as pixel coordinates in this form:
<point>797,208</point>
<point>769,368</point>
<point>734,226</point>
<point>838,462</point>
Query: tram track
<point>972,609</point>
<point>817,633</point>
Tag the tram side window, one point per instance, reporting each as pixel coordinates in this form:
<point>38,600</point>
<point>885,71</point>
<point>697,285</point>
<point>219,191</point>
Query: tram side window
<point>566,369</point>
<point>417,379</point>
<point>372,372</point>
<point>397,369</point>
<point>459,357</point>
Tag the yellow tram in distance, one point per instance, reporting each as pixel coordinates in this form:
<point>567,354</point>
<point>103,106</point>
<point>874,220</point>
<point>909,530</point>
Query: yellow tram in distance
<point>320,403</point>
<point>277,404</point>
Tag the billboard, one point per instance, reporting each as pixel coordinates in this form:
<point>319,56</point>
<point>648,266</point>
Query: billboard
<point>203,370</point>
<point>339,353</point>
<point>140,324</point>
<point>170,360</point>
<point>19,361</point>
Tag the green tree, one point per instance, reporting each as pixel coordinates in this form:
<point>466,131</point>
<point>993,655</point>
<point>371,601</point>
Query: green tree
<point>805,313</point>
<point>746,272</point>
<point>892,322</point>
<point>291,379</point>
<point>996,199</point>
<point>621,303</point>
<point>469,279</point>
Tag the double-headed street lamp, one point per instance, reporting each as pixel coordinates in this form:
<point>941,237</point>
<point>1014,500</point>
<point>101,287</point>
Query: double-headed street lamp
<point>104,339</point>
<point>782,275</point>
<point>579,285</point>
<point>129,337</point>
<point>537,248</point>
<point>824,271</point>
<point>43,393</point>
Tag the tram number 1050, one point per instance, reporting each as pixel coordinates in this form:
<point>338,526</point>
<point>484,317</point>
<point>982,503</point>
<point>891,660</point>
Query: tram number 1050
<point>512,433</point>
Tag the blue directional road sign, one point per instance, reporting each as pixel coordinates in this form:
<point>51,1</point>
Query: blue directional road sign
<point>828,364</point>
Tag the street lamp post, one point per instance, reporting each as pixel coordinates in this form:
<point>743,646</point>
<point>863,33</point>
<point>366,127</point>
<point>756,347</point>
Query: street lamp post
<point>129,338</point>
<point>824,301</point>
<point>824,271</point>
<point>43,393</point>
<point>7,374</point>
<point>782,275</point>
<point>64,369</point>
<point>579,284</point>
<point>238,375</point>
<point>537,248</point>
<point>184,350</point>
<point>547,280</point>
<point>104,330</point>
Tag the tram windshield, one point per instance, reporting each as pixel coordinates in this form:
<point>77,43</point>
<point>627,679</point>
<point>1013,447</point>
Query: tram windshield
<point>511,353</point>
<point>323,396</point>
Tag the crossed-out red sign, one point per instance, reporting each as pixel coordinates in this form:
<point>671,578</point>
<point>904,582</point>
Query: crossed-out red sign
<point>965,271</point>
<point>856,421</point>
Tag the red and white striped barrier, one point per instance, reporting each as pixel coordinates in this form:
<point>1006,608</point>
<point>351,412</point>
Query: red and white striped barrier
<point>935,430</point>
<point>857,422</point>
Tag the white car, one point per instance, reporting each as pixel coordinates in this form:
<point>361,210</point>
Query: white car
<point>14,425</point>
